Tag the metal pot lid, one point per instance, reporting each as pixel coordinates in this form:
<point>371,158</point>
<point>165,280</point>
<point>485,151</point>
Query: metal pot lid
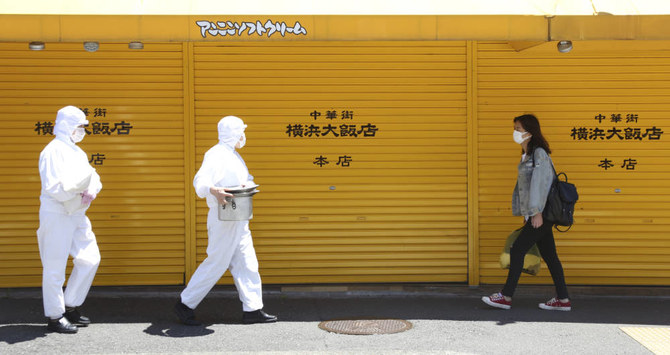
<point>241,189</point>
<point>245,194</point>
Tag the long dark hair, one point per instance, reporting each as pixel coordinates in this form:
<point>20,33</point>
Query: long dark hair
<point>532,125</point>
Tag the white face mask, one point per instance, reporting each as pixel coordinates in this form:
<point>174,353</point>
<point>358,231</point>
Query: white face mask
<point>518,136</point>
<point>78,134</point>
<point>242,142</point>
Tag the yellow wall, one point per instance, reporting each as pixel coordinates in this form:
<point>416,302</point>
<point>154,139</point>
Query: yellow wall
<point>427,199</point>
<point>185,28</point>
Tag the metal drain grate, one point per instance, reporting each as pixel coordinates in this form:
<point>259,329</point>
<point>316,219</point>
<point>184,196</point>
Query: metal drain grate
<point>365,326</point>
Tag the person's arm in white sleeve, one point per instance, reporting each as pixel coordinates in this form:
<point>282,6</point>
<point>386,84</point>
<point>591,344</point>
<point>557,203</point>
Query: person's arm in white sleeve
<point>95,185</point>
<point>52,173</point>
<point>203,178</point>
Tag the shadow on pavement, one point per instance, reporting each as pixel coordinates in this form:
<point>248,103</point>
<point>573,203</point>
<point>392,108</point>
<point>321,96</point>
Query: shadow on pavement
<point>174,330</point>
<point>19,333</point>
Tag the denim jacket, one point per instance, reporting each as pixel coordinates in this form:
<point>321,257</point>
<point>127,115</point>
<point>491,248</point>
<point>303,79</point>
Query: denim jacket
<point>532,184</point>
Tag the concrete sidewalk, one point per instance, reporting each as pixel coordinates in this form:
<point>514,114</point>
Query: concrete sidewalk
<point>446,319</point>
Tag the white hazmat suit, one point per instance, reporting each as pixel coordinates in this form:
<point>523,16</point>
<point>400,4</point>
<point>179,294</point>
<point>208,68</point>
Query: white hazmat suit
<point>229,242</point>
<point>69,183</point>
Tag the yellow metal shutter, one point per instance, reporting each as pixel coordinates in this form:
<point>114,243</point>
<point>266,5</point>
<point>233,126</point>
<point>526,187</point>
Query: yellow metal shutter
<point>398,212</point>
<point>621,232</point>
<point>138,217</point>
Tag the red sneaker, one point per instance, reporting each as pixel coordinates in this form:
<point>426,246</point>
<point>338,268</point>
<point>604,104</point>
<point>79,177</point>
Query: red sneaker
<point>555,304</point>
<point>497,300</point>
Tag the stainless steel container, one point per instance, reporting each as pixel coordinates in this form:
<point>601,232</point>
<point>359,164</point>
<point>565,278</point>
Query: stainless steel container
<point>238,208</point>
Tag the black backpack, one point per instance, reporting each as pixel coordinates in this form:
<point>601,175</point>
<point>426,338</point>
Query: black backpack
<point>561,199</point>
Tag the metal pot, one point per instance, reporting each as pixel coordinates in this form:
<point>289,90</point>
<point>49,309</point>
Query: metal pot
<point>238,208</point>
<point>238,189</point>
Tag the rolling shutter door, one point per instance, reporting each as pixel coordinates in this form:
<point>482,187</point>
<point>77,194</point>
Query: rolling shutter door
<point>394,209</point>
<point>135,108</point>
<point>588,102</point>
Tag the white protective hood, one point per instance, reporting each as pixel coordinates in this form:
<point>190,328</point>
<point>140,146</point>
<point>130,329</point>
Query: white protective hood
<point>67,119</point>
<point>222,165</point>
<point>230,128</point>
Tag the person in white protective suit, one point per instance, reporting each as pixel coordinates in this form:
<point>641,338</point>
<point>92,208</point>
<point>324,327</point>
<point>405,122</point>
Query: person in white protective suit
<point>229,243</point>
<point>69,184</point>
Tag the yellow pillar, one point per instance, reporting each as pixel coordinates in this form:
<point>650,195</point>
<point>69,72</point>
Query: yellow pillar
<point>473,165</point>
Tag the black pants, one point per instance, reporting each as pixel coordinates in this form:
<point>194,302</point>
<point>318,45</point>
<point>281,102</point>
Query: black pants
<point>544,238</point>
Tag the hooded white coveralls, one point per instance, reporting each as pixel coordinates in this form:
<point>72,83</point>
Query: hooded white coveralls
<point>229,242</point>
<point>64,228</point>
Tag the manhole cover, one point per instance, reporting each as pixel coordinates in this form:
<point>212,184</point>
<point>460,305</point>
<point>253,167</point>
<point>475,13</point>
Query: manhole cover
<point>365,326</point>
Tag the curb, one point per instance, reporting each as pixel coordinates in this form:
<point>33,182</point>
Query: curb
<point>359,291</point>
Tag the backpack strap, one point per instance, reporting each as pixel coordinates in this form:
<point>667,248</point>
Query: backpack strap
<point>533,157</point>
<point>554,181</point>
<point>556,227</point>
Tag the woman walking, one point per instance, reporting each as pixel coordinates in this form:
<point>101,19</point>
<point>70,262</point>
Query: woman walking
<point>534,179</point>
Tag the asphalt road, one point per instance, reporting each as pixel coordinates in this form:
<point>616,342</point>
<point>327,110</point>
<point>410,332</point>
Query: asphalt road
<point>446,320</point>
